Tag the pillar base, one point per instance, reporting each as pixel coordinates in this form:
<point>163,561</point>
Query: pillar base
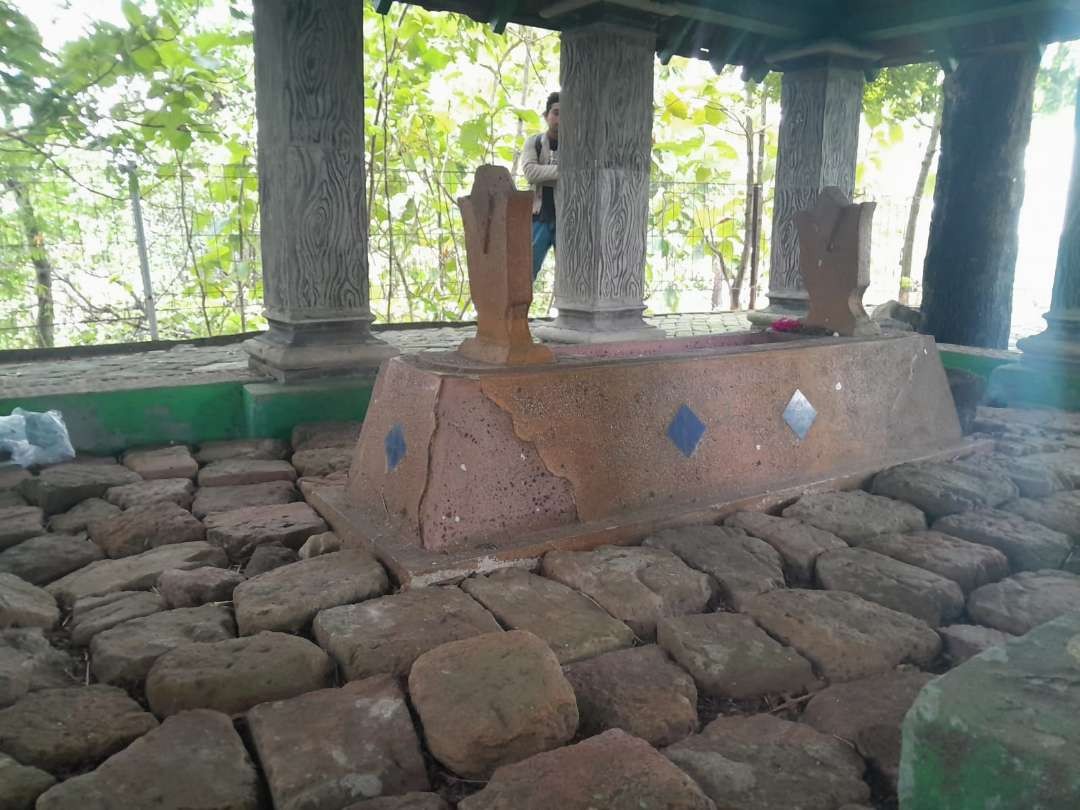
<point>1049,370</point>
<point>604,326</point>
<point>299,351</point>
<point>791,304</point>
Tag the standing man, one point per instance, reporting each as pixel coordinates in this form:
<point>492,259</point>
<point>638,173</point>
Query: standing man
<point>541,168</point>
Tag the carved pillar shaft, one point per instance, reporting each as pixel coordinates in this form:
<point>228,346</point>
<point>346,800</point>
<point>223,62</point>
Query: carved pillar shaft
<point>309,93</point>
<point>602,197</point>
<point>819,138</point>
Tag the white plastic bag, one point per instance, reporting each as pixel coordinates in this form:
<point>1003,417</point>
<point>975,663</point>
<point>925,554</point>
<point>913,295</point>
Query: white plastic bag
<point>34,438</point>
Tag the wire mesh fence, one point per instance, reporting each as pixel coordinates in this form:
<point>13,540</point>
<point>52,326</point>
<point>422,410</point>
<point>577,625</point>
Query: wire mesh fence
<point>201,229</point>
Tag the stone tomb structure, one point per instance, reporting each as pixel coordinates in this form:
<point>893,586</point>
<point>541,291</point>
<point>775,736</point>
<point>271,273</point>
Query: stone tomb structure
<point>464,465</point>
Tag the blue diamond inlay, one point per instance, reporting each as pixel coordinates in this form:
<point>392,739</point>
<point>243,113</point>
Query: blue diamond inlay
<point>686,430</point>
<point>799,414</point>
<point>395,447</point>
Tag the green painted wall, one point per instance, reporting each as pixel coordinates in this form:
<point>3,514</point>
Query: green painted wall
<point>271,410</point>
<point>109,422</point>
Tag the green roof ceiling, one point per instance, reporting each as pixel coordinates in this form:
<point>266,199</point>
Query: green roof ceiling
<point>759,34</point>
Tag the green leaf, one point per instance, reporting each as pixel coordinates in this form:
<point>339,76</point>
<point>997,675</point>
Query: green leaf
<point>147,57</point>
<point>132,13</point>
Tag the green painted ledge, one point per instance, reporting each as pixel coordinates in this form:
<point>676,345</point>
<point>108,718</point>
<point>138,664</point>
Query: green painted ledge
<point>110,421</point>
<point>977,361</point>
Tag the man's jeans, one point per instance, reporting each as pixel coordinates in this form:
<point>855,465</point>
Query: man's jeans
<point>543,239</point>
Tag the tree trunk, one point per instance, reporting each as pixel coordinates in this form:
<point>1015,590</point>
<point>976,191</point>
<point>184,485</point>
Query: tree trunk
<point>748,209</point>
<point>916,206</point>
<point>43,270</point>
<point>971,255</point>
<point>758,184</point>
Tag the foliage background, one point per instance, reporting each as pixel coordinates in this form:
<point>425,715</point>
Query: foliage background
<point>158,95</point>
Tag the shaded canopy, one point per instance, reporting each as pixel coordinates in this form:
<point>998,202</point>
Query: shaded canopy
<point>758,34</point>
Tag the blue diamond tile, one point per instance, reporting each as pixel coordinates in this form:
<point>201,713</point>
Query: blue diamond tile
<point>799,414</point>
<point>686,430</point>
<point>395,447</point>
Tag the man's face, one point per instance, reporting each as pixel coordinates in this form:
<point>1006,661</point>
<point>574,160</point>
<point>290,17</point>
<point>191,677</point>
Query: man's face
<point>552,119</point>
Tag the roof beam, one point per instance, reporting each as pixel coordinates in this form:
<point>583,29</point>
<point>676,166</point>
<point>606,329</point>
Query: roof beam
<point>755,17</point>
<point>927,16</point>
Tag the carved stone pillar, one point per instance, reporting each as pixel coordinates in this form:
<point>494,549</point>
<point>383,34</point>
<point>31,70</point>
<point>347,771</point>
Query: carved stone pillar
<point>820,103</point>
<point>1049,370</point>
<point>309,95</point>
<point>602,197</point>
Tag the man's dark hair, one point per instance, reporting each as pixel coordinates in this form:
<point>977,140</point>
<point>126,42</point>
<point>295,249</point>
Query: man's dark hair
<point>553,99</point>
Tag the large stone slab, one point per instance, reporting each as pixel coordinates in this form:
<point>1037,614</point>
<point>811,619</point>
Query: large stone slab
<point>197,586</point>
<point>407,801</point>
<point>732,658</point>
<point>25,605</point>
<point>162,462</point>
<point>894,584</point>
<point>964,641</point>
<point>1024,601</point>
<point>854,516</point>
<point>40,560</point>
<point>1065,464</point>
<point>967,564</point>
<point>637,585</point>
<point>11,476</point>
<point>20,785</point>
<point>799,544</point>
<point>763,763</point>
<point>572,625</point>
<point>63,730</point>
<point>742,566</point>
<point>1060,512</point>
<point>124,654</point>
<point>959,750</point>
<point>492,700</point>
<point>867,713</point>
<point>386,635</point>
<point>322,460</point>
<point>941,489</point>
<point>194,761</point>
<point>313,435</point>
<point>326,749</point>
<point>239,532</point>
<point>145,527</point>
<point>242,448</point>
<point>18,523</point>
<point>79,517</point>
<point>57,489</point>
<point>235,472</point>
<point>267,557</point>
<point>232,676</point>
<point>95,614</point>
<point>844,636</point>
<point>136,573</point>
<point>1028,546</point>
<point>638,690</point>
<point>319,544</point>
<point>29,663</point>
<point>180,491</point>
<point>613,771</point>
<point>209,500</point>
<point>1032,478</point>
<point>11,497</point>
<point>287,598</point>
